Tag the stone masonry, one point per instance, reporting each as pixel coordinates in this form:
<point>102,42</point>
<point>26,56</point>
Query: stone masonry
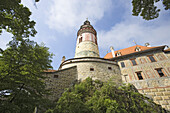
<point>59,80</point>
<point>96,68</point>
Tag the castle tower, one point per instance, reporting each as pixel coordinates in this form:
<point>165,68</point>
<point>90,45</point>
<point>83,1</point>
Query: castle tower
<point>86,41</point>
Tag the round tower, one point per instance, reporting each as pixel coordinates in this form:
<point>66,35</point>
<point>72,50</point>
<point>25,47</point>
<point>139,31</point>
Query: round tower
<point>86,41</point>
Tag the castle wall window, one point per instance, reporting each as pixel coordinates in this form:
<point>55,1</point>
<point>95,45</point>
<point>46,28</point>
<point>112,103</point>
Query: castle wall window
<point>91,69</point>
<point>133,62</point>
<point>152,59</point>
<point>109,68</point>
<point>55,76</point>
<point>160,72</point>
<point>139,74</point>
<point>122,64</point>
<point>126,78</point>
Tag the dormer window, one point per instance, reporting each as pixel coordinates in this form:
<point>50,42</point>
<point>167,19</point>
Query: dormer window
<point>118,53</point>
<point>137,49</point>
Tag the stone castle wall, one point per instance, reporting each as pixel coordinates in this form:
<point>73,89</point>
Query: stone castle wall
<point>157,89</point>
<point>145,66</point>
<point>59,80</point>
<point>94,68</point>
<point>152,85</point>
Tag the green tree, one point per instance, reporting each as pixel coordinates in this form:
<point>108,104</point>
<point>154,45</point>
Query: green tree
<point>15,19</point>
<point>98,97</point>
<point>21,82</point>
<point>147,8</point>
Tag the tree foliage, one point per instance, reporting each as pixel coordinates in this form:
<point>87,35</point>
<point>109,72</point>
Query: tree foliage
<point>147,8</point>
<point>21,81</point>
<point>98,97</point>
<point>15,19</point>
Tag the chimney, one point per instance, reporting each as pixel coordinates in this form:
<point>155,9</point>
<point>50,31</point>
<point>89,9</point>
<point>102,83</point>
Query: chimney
<point>147,44</point>
<point>112,50</point>
<point>63,59</point>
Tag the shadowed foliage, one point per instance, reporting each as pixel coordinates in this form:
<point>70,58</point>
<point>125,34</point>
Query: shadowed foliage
<point>147,8</point>
<point>97,97</point>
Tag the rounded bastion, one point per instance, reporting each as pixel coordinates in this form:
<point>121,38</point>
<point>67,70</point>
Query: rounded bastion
<point>96,68</point>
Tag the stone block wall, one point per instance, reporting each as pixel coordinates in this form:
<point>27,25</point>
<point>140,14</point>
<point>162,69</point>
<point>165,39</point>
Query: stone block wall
<point>59,80</point>
<point>145,66</point>
<point>160,95</point>
<point>157,89</point>
<point>95,68</point>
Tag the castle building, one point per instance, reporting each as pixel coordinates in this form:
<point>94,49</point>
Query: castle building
<point>86,63</point>
<point>147,68</point>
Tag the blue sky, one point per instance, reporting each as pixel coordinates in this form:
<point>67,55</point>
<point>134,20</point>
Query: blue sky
<point>57,23</point>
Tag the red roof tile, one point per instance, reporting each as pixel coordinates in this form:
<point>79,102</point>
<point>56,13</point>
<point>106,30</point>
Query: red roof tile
<point>128,50</point>
<point>50,70</point>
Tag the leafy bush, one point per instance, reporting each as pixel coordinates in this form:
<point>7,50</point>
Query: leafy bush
<point>97,97</point>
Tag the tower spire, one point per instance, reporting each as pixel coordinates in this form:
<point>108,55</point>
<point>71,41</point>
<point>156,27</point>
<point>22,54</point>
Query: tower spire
<point>87,19</point>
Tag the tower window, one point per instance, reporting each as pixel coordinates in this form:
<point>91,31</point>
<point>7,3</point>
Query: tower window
<point>152,59</point>
<point>55,76</point>
<point>139,75</point>
<point>96,41</point>
<point>109,68</point>
<point>122,64</point>
<point>91,69</point>
<point>160,72</point>
<point>80,39</point>
<point>133,62</point>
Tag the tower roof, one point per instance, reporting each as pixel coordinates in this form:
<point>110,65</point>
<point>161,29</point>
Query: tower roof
<point>86,27</point>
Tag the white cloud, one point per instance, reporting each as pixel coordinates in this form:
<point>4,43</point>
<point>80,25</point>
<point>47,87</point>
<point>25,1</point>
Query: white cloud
<point>121,35</point>
<point>65,15</point>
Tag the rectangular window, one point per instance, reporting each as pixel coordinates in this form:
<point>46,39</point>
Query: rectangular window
<point>109,68</point>
<point>55,76</point>
<point>160,72</point>
<point>139,75</point>
<point>133,62</point>
<point>125,77</point>
<point>91,69</point>
<point>152,59</point>
<point>122,64</point>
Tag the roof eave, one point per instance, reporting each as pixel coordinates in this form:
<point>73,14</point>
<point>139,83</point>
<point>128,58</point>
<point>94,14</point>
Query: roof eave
<point>127,55</point>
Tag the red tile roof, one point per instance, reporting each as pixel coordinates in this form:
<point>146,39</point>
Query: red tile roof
<point>50,70</point>
<point>128,50</point>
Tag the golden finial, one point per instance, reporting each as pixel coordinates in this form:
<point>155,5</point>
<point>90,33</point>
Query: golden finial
<point>86,19</point>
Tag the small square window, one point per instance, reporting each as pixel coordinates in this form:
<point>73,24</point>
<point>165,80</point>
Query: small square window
<point>160,72</point>
<point>139,75</point>
<point>122,64</point>
<point>55,76</point>
<point>91,69</point>
<point>109,68</point>
<point>152,59</point>
<point>133,62</point>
